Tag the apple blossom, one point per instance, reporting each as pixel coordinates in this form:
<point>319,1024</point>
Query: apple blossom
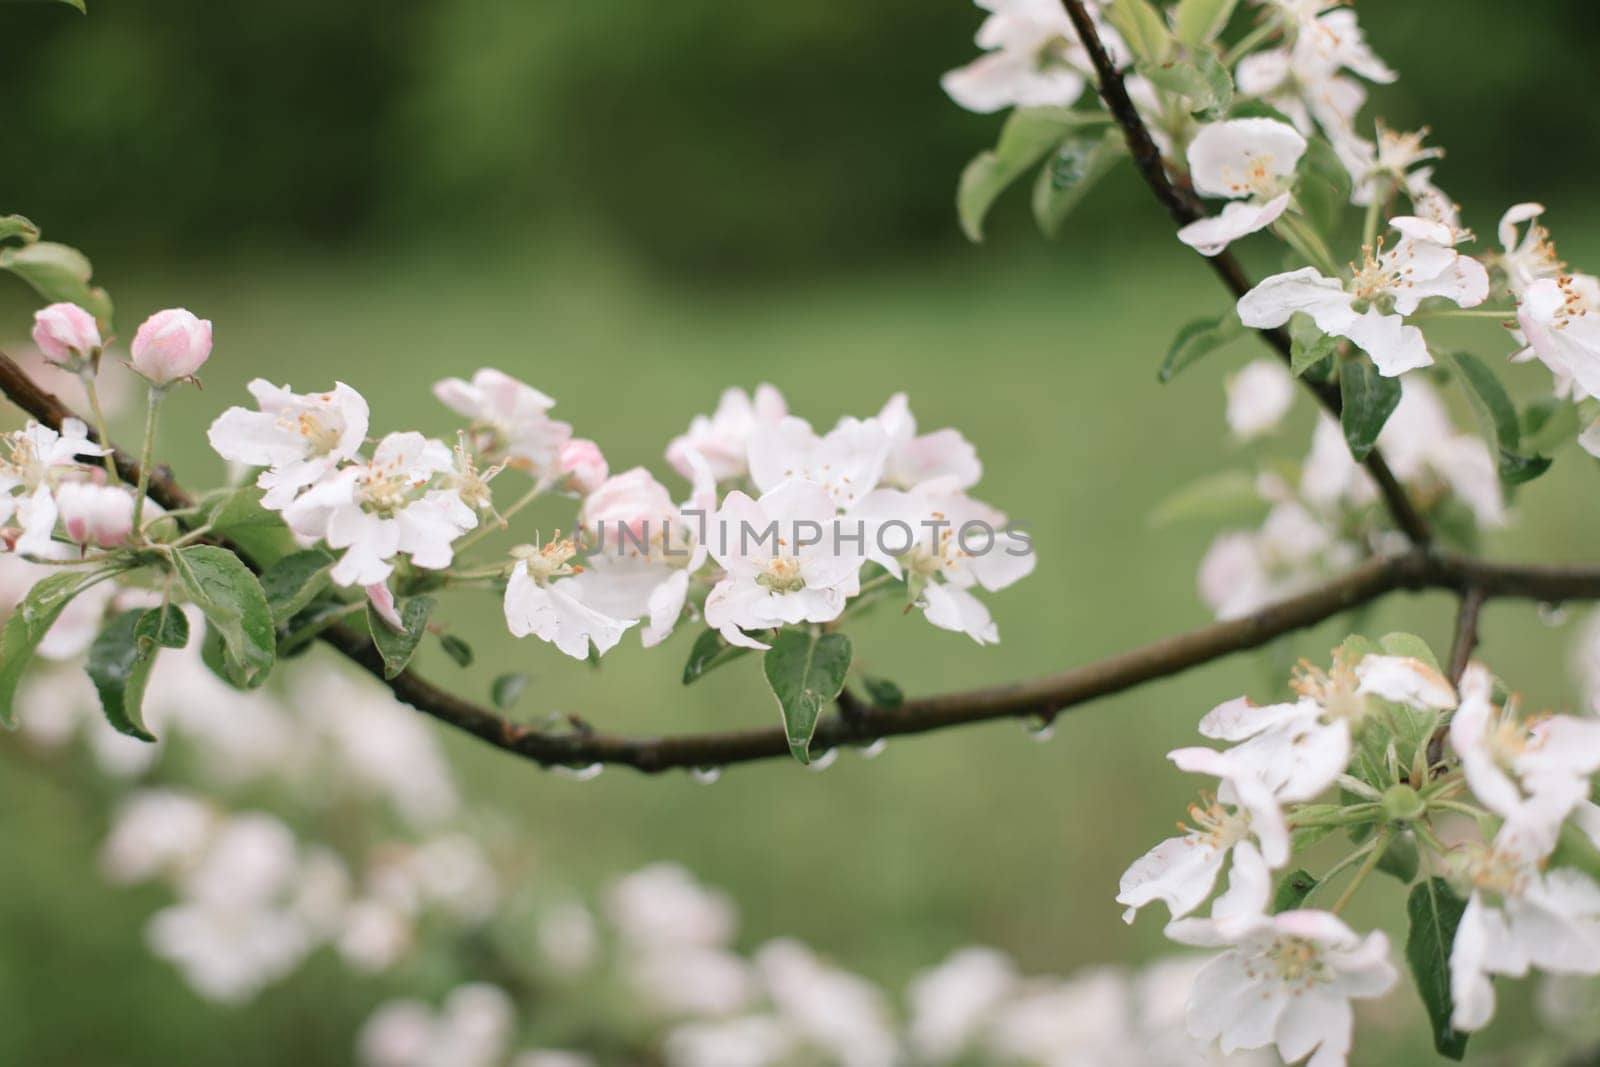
<point>1555,320</point>
<point>1284,979</point>
<point>379,509</point>
<point>1259,396</point>
<point>927,536</point>
<point>1250,162</point>
<point>1244,570</point>
<point>95,514</point>
<point>30,460</point>
<point>513,417</point>
<point>1033,59</point>
<point>66,334</point>
<point>722,439</point>
<point>775,575</point>
<point>916,459</point>
<point>950,1003</point>
<point>1369,308</point>
<point>847,462</point>
<point>1518,916</point>
<point>542,599</point>
<point>170,346</point>
<point>582,465</point>
<point>300,438</point>
<point>1303,87</point>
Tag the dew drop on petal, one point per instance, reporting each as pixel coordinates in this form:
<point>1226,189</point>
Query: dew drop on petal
<point>824,761</point>
<point>705,775</point>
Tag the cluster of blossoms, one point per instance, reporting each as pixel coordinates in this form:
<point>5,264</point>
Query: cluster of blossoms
<point>1498,823</point>
<point>49,484</point>
<point>778,525</point>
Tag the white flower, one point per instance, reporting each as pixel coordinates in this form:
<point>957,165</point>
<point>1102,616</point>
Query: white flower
<point>1530,255</point>
<point>156,831</point>
<point>1297,82</point>
<point>1245,570</point>
<point>662,906</point>
<point>1259,397</point>
<point>722,439</point>
<point>1519,766</point>
<point>1248,161</point>
<point>1331,38</point>
<point>848,461</point>
<point>1383,167</point>
<point>786,558</point>
<point>950,1004</point>
<point>228,952</point>
<point>472,1029</point>
<point>1554,314</point>
<point>379,509</point>
<point>1284,979</point>
<point>30,461</point>
<point>839,1014</point>
<point>747,1041</point>
<point>1034,59</point>
<point>543,599</point>
<point>1518,916</point>
<point>1370,307</point>
<point>1086,1019</point>
<point>916,459</point>
<point>945,544</point>
<point>300,439</point>
<point>514,416</point>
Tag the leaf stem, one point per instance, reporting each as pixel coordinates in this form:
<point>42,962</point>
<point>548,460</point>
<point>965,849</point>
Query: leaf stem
<point>1379,847</point>
<point>152,413</point>
<point>90,391</point>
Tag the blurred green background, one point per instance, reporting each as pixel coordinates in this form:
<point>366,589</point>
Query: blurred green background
<point>632,205</point>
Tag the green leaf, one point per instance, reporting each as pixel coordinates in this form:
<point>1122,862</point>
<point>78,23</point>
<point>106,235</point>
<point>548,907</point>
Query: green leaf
<point>398,646</point>
<point>1198,22</point>
<point>1369,399</point>
<point>294,581</point>
<point>1024,140</point>
<point>1293,890</point>
<point>57,272</point>
<point>456,649</point>
<point>301,631</point>
<point>709,651</point>
<point>882,692</point>
<point>231,598</point>
<point>507,689</point>
<point>1196,339</point>
<point>29,622</point>
<point>18,227</point>
<point>237,514</point>
<point>1435,912</point>
<point>120,660</point>
<point>1070,173</point>
<point>805,671</point>
<point>1497,419</point>
<point>1322,186</point>
<point>1142,27</point>
<point>1257,109</point>
<point>1225,495</point>
<point>1204,80</point>
<point>1409,645</point>
<point>1308,345</point>
<point>78,4</point>
<point>1548,424</point>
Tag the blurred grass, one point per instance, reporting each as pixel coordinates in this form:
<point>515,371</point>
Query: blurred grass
<point>977,835</point>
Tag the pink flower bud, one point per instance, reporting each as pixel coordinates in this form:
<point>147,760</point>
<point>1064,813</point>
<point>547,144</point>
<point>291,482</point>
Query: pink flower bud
<point>628,510</point>
<point>95,514</point>
<point>65,333</point>
<point>582,465</point>
<point>171,345</point>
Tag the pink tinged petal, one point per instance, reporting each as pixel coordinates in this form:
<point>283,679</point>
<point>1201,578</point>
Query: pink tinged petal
<point>381,597</point>
<point>555,614</point>
<point>1211,235</point>
<point>1180,871</point>
<point>1405,680</point>
<point>1240,718</point>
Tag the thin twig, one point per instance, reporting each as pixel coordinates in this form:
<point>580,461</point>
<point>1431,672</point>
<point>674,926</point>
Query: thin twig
<point>1466,636</point>
<point>1184,208</point>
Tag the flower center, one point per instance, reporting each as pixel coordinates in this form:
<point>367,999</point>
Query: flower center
<point>23,462</point>
<point>781,575</point>
<point>1574,304</point>
<point>1214,823</point>
<point>321,432</point>
<point>384,490</point>
<point>1500,870</point>
<point>1334,689</point>
<point>553,559</point>
<point>1378,276</point>
<point>1257,179</point>
<point>1297,961</point>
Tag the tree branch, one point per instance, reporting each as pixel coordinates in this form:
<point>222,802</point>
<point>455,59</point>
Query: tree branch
<point>1414,570</point>
<point>1184,208</point>
<point>1466,636</point>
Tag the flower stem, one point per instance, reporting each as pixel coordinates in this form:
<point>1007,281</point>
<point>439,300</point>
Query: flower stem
<point>152,413</point>
<point>1379,847</point>
<point>1369,228</point>
<point>1466,313</point>
<point>485,528</point>
<point>100,427</point>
